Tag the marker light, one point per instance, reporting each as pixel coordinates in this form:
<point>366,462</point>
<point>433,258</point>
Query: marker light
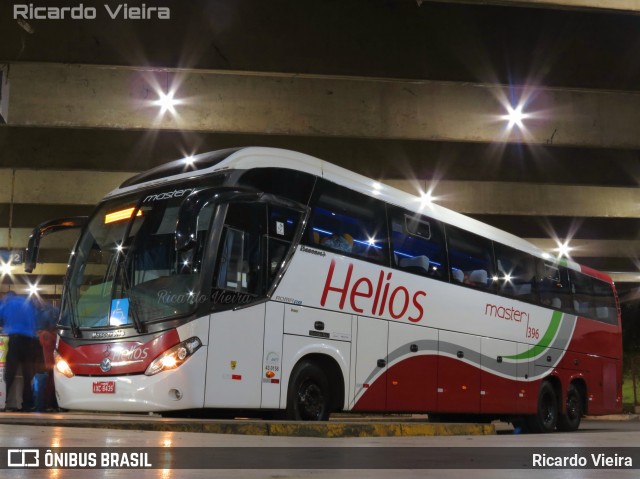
<point>61,365</point>
<point>174,357</point>
<point>120,215</point>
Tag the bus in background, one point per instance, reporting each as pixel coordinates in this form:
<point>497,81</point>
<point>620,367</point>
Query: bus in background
<point>264,279</point>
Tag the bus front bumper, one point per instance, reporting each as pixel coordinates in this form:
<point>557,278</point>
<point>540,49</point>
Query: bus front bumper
<point>180,388</point>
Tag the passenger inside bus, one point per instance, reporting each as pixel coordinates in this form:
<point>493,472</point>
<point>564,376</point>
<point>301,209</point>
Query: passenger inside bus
<point>339,242</point>
<point>478,278</point>
<point>416,265</point>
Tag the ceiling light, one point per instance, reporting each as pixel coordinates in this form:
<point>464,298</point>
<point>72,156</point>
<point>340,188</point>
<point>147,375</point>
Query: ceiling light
<point>563,249</point>
<point>166,101</point>
<point>515,116</point>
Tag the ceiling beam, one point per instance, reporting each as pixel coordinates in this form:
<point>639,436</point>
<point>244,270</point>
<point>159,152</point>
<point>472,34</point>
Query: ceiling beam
<point>527,199</point>
<point>62,187</point>
<point>72,187</point>
<point>624,5</point>
<point>602,248</point>
<point>139,150</point>
<point>90,96</point>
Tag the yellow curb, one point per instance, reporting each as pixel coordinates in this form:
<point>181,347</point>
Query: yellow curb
<point>331,429</point>
<point>377,429</point>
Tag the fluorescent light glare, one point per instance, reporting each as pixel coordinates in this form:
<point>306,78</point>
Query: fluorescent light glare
<point>515,116</point>
<point>167,102</point>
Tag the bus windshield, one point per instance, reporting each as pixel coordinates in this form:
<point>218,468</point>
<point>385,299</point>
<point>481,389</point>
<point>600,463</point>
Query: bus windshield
<point>126,270</point>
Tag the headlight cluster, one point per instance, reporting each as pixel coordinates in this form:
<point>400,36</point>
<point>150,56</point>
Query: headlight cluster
<point>61,365</point>
<point>174,357</point>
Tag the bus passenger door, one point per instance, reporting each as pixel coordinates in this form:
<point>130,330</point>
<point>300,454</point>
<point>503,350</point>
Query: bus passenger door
<point>458,373</point>
<point>413,368</point>
<point>499,386</point>
<point>236,333</point>
<point>234,363</point>
<point>371,365</point>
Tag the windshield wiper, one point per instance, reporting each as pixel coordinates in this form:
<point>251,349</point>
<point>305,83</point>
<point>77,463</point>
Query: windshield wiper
<point>135,313</point>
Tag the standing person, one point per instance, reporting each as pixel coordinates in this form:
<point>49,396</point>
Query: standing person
<point>47,315</point>
<point>18,319</point>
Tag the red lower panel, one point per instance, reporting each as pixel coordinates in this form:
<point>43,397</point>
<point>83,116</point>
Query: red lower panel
<point>442,384</point>
<point>411,385</point>
<point>501,395</point>
<point>458,386</point>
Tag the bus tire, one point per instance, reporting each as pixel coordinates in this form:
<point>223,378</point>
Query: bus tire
<point>546,418</point>
<point>309,394</point>
<point>570,421</point>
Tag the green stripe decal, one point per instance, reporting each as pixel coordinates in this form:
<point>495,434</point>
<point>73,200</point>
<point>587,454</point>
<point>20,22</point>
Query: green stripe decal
<point>545,341</point>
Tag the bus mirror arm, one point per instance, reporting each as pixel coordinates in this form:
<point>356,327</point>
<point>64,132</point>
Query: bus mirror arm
<point>187,224</point>
<point>44,229</point>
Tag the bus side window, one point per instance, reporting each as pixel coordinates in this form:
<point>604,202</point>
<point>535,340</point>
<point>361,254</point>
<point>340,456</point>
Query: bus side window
<point>349,223</point>
<point>232,265</point>
<point>418,245</point>
<point>582,290</point>
<point>283,223</point>
<point>553,286</point>
<point>239,268</point>
<point>593,298</point>
<point>604,302</point>
<point>516,273</point>
<point>472,255</point>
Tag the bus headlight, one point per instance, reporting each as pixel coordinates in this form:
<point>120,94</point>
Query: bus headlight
<point>174,357</point>
<point>61,365</point>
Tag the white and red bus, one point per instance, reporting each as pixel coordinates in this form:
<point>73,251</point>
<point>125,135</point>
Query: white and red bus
<point>264,279</point>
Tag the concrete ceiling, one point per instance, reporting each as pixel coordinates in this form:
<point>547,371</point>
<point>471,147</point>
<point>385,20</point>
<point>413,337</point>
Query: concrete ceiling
<point>411,93</point>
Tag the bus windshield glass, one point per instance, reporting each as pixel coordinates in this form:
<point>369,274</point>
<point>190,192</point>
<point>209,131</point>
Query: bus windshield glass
<point>126,270</point>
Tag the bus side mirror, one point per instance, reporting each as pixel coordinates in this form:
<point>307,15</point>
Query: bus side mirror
<point>187,225</point>
<point>44,229</point>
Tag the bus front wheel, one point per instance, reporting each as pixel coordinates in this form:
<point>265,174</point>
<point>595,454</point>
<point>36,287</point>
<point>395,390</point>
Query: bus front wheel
<point>309,395</point>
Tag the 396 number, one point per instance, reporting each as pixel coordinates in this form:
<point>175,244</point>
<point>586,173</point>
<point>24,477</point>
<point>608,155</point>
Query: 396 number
<point>533,333</point>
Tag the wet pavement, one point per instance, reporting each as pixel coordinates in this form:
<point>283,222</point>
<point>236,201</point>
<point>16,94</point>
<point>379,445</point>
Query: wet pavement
<point>253,449</point>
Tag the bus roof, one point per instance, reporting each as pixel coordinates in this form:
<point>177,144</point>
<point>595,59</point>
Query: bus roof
<point>262,157</point>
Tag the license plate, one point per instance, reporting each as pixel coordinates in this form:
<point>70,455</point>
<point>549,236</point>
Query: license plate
<point>104,387</point>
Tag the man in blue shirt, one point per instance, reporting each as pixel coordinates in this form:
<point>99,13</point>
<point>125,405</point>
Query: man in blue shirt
<point>18,318</point>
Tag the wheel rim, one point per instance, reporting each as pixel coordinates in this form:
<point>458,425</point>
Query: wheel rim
<point>573,407</point>
<point>548,411</point>
<point>311,400</point>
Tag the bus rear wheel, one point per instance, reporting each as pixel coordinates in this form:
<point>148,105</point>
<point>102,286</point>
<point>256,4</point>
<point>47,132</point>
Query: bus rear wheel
<point>570,421</point>
<point>309,394</point>
<point>546,418</point>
